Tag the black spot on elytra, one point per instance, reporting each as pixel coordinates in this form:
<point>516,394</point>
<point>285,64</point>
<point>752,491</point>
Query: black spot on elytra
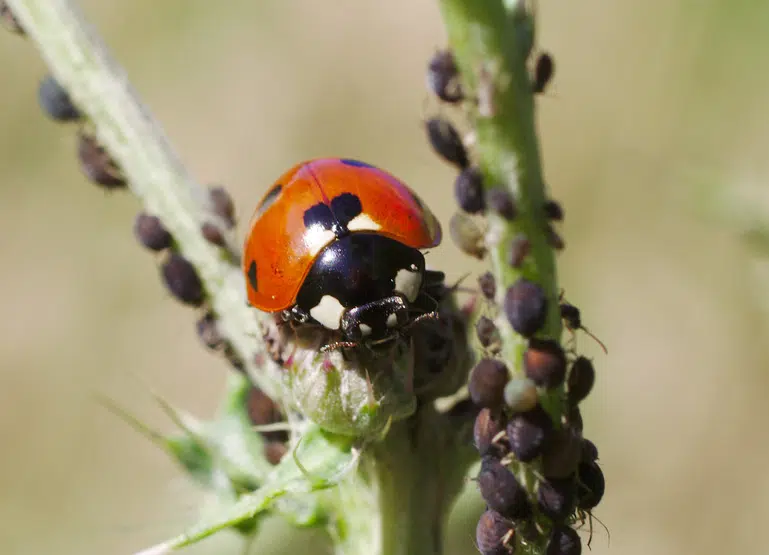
<point>355,163</point>
<point>252,276</point>
<point>345,207</point>
<point>319,214</point>
<point>270,198</point>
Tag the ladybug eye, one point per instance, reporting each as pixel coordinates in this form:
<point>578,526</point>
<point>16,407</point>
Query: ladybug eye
<point>269,199</point>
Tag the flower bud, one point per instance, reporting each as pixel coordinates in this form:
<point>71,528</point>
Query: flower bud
<point>359,394</point>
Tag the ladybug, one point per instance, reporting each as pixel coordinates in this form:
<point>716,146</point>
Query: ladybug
<point>337,243</point>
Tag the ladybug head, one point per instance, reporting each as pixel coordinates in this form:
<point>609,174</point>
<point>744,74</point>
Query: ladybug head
<point>376,322</point>
<point>362,285</point>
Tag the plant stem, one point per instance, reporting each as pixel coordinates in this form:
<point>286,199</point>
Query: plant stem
<point>400,498</point>
<point>491,42</point>
<point>81,63</point>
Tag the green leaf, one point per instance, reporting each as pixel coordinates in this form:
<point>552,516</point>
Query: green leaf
<point>187,448</point>
<point>319,461</point>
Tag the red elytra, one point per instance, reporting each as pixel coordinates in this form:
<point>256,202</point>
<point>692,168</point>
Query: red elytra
<point>279,249</point>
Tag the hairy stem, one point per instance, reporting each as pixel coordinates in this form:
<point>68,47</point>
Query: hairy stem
<point>80,62</point>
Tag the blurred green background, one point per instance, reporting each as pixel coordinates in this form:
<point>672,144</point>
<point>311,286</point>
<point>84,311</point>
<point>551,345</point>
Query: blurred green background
<point>654,128</point>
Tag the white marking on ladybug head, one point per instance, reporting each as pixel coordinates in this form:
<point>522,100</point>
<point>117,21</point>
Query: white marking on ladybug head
<point>408,282</point>
<point>392,320</point>
<point>365,330</point>
<point>316,237</point>
<point>363,222</point>
<point>328,312</point>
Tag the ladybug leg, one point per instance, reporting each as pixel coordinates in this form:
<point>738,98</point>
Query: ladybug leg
<point>338,345</point>
<point>434,315</point>
<point>298,315</point>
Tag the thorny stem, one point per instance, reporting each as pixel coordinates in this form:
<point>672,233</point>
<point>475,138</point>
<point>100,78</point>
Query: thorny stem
<point>80,61</point>
<point>490,40</point>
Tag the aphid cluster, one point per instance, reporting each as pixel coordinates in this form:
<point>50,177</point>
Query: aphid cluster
<point>178,274</point>
<point>95,163</point>
<point>538,477</point>
<point>532,470</point>
<point>473,198</point>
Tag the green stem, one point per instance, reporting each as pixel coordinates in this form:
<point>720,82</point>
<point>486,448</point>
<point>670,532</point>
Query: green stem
<point>400,499</point>
<point>491,41</point>
<point>81,62</point>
